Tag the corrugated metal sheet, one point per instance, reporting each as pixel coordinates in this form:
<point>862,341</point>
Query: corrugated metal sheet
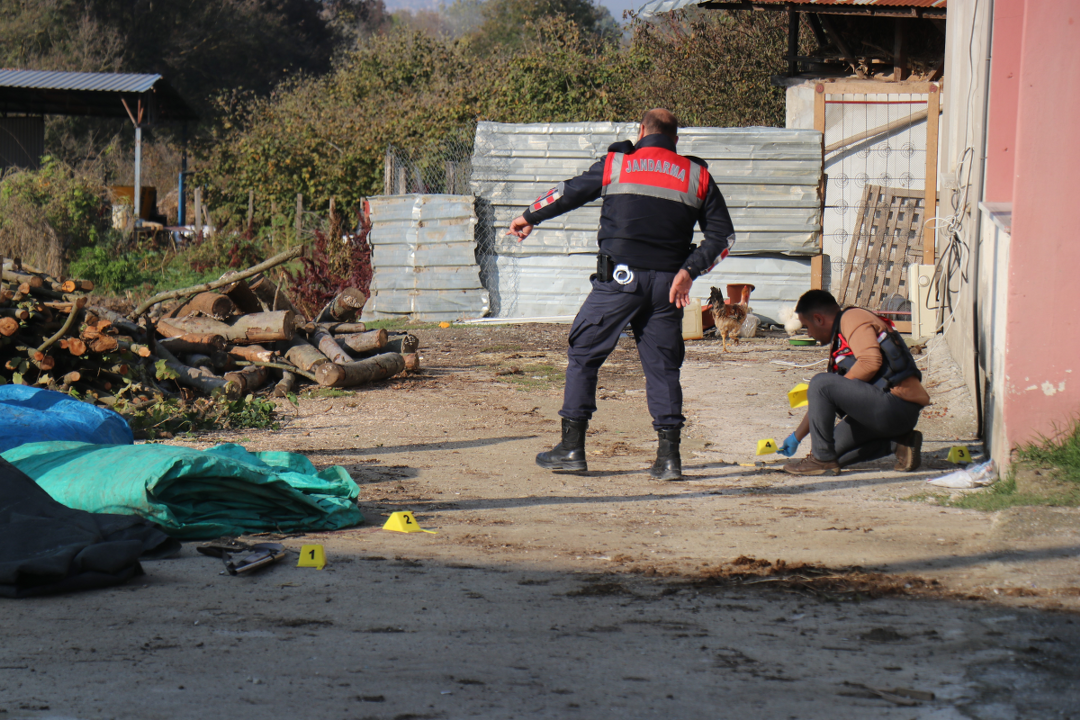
<point>48,80</point>
<point>424,261</point>
<point>552,285</point>
<point>657,7</point>
<point>769,177</point>
<point>22,142</point>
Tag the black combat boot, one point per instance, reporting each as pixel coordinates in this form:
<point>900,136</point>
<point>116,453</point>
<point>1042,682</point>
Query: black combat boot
<point>570,453</point>
<point>668,465</point>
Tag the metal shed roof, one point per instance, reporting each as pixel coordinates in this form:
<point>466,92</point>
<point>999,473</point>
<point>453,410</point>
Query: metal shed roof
<point>44,92</point>
<point>899,8</point>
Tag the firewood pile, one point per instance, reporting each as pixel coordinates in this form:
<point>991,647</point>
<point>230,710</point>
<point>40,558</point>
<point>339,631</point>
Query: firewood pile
<point>235,335</point>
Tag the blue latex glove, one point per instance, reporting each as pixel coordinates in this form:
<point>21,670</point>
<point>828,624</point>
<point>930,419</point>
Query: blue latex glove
<point>791,444</point>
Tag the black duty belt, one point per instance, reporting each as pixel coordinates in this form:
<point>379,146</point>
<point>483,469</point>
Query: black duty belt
<point>608,269</point>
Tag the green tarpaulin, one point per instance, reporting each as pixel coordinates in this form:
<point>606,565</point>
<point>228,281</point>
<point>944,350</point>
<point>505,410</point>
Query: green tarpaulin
<point>194,494</point>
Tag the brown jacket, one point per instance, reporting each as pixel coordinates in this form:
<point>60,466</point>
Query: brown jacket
<point>861,328</point>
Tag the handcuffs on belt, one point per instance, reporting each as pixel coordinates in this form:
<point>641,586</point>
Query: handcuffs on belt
<point>621,273</point>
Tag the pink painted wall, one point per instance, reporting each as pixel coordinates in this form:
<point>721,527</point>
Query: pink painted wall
<point>1042,352</point>
<point>1004,92</point>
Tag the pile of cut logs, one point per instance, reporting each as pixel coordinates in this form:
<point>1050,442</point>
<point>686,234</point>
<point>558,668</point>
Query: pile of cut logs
<point>234,335</point>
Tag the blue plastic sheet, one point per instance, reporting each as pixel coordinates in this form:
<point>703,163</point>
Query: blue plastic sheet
<point>29,415</point>
<point>194,494</point>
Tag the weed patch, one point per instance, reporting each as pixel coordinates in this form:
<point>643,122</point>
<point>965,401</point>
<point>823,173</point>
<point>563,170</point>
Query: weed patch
<point>169,416</point>
<point>1045,473</point>
<point>537,377</point>
<point>321,392</point>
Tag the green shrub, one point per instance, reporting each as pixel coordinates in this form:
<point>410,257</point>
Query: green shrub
<point>49,213</point>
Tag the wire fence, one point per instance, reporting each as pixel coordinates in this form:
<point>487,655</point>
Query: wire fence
<point>442,169</point>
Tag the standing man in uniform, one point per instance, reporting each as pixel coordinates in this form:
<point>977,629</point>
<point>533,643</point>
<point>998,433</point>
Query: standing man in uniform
<point>653,197</point>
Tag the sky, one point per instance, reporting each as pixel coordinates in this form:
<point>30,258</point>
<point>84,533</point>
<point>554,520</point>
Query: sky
<point>616,7</point>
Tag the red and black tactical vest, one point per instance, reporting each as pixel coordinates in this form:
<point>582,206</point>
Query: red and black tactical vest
<point>897,364</point>
<point>656,172</point>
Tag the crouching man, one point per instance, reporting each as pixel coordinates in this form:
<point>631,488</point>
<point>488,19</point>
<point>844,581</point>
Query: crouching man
<point>872,385</point>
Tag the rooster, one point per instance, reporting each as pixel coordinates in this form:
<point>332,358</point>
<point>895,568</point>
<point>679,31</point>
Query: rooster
<point>728,318</point>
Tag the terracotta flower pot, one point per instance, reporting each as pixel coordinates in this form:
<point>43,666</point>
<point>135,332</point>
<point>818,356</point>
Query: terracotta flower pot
<point>738,293</point>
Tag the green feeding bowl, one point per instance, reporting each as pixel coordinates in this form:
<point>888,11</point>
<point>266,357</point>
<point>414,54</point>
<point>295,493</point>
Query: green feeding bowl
<point>802,341</point>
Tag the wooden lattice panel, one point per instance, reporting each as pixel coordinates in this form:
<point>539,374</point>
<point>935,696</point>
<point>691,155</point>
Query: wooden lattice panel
<point>888,237</point>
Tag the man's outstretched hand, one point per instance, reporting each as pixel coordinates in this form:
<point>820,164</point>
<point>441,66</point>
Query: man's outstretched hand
<point>519,228</point>
<point>680,289</point>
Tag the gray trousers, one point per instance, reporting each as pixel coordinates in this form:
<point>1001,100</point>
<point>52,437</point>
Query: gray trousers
<point>873,418</point>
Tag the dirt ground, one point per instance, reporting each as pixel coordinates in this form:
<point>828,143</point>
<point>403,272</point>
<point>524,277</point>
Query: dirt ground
<point>740,592</point>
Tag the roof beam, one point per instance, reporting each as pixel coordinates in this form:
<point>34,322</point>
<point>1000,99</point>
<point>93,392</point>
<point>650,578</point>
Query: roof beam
<point>866,10</point>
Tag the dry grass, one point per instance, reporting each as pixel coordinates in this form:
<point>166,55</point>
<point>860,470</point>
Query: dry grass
<point>27,235</point>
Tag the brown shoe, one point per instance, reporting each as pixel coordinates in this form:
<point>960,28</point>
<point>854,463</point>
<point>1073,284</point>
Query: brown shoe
<point>810,465</point>
<point>909,452</point>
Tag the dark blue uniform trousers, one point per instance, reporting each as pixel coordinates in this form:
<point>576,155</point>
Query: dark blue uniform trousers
<point>657,326</point>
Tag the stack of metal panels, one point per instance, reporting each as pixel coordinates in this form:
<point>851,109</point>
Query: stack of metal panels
<point>770,179</point>
<point>423,254</point>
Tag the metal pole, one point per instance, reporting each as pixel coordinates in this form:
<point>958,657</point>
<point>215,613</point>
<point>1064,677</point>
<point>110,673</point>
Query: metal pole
<point>138,173</point>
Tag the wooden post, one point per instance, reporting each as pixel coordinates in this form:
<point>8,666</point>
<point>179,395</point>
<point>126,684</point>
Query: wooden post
<point>900,59</point>
<point>793,42</point>
<point>331,208</point>
<point>251,208</point>
<point>198,212</point>
<point>933,109</point>
<point>400,189</point>
<point>819,112</point>
<point>817,263</point>
<point>299,215</point>
<point>388,173</point>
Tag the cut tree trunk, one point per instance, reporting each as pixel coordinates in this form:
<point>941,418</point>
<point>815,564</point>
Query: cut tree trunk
<point>75,346</point>
<point>304,355</point>
<point>265,327</point>
<point>246,329</point>
<point>35,282</point>
<point>328,347</point>
<point>213,304</point>
<point>241,295</point>
<point>205,343</point>
<point>104,344</point>
<point>196,378</point>
<point>8,326</point>
<point>17,313</point>
<point>118,320</point>
<point>271,296</point>
<point>412,362</point>
<point>375,368</point>
<point>285,385</point>
<point>363,342</point>
<point>197,360</point>
<point>249,379</point>
<point>253,353</point>
<point>343,328</point>
<point>346,306</point>
<point>71,286</point>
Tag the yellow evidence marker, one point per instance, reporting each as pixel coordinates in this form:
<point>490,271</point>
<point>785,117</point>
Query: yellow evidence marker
<point>959,454</point>
<point>766,447</point>
<point>797,396</point>
<point>403,521</point>
<point>312,556</point>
